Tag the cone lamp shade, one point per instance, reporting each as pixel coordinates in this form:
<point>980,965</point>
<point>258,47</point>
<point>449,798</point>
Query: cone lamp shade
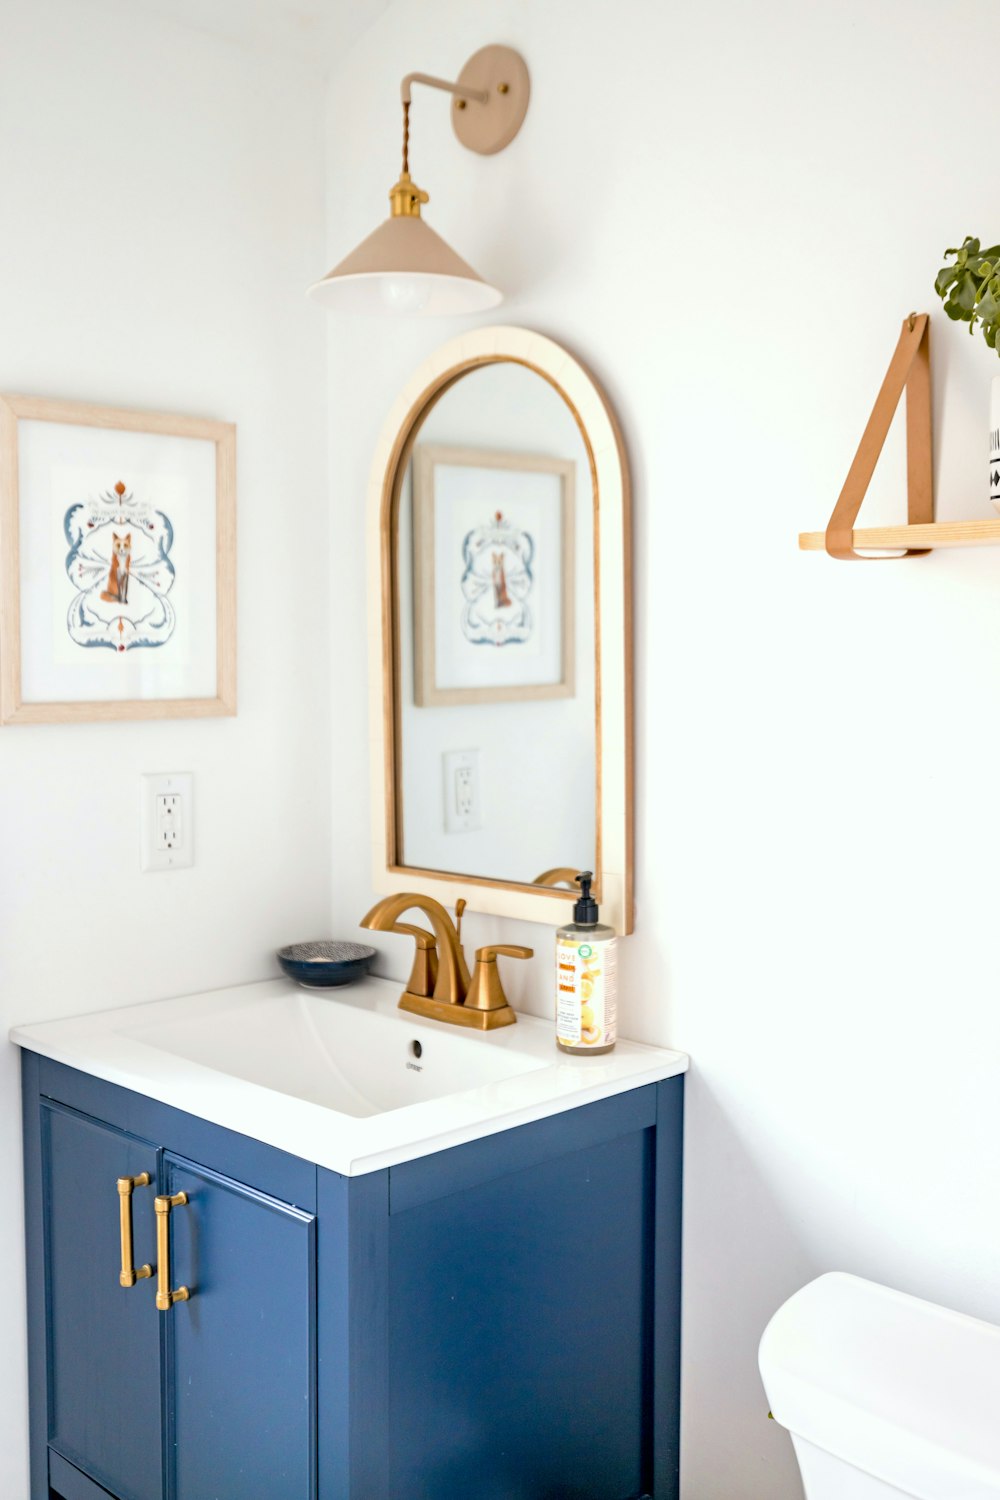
<point>404,267</point>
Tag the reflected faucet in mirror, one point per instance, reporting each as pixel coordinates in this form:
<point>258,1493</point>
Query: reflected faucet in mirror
<point>560,875</point>
<point>439,985</point>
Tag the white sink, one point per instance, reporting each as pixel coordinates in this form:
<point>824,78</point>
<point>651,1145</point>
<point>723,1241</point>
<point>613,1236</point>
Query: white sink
<point>342,1078</point>
<point>345,1057</point>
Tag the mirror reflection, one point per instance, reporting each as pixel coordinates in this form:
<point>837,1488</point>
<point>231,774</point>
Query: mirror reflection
<point>496,626</point>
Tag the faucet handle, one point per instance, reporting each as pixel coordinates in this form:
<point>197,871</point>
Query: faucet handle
<point>423,975</point>
<point>486,991</point>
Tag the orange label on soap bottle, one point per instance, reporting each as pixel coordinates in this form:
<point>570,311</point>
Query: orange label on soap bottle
<point>587,1004</point>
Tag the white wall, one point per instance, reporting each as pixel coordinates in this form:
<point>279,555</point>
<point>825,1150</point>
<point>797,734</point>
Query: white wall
<point>161,205</point>
<point>727,211</point>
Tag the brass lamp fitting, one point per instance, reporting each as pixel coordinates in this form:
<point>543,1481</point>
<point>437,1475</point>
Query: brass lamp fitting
<point>406,198</point>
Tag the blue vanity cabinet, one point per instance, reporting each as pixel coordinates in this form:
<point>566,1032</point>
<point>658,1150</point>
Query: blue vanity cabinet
<point>496,1321</point>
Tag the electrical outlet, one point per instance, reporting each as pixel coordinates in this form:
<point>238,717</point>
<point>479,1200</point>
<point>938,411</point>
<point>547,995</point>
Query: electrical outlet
<point>465,791</point>
<point>167,822</point>
<point>463,810</point>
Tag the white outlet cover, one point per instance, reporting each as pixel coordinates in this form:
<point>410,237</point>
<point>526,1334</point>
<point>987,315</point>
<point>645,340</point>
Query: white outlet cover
<point>152,856</point>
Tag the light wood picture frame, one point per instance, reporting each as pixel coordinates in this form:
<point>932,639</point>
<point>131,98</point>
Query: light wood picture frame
<point>434,612</point>
<point>104,511</point>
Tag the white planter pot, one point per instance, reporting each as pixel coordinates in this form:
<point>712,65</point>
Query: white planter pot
<point>995,442</point>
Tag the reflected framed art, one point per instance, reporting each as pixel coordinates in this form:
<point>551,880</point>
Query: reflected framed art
<point>493,576</point>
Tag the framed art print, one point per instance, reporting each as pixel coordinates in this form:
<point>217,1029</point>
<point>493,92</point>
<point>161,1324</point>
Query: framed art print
<point>117,564</point>
<point>493,576</point>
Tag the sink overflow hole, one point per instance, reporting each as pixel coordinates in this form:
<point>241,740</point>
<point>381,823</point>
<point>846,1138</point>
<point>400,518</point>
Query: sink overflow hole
<point>416,1050</point>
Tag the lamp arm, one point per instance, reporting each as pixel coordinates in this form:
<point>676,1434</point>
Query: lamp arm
<point>479,95</point>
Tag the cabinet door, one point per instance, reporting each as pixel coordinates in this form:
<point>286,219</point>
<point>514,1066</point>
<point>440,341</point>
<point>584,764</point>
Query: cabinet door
<point>103,1339</point>
<point>241,1379</point>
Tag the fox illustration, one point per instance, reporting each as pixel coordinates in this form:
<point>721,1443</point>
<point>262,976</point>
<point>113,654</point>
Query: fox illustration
<point>501,598</point>
<point>121,565</point>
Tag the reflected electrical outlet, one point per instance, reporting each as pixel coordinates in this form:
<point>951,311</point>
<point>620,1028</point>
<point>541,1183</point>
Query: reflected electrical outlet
<point>463,809</point>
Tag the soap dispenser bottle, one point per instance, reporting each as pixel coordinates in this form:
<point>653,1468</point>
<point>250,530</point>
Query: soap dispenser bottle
<point>586,978</point>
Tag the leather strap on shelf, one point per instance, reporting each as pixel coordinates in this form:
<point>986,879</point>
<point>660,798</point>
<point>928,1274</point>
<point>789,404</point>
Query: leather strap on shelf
<point>909,370</point>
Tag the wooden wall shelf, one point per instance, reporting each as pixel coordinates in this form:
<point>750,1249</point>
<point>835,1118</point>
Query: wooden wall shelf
<point>920,538</point>
<point>909,371</point>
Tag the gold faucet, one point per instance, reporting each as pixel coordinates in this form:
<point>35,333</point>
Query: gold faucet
<point>439,985</point>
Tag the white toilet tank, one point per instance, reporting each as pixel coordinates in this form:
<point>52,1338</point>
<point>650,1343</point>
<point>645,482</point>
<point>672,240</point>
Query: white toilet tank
<point>884,1395</point>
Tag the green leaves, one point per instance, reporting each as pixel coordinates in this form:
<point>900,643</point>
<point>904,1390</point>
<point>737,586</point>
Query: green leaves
<point>970,288</point>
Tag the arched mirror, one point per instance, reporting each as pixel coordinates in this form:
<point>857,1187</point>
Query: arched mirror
<point>500,610</point>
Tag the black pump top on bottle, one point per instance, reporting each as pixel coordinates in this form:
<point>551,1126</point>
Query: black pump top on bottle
<point>585,911</point>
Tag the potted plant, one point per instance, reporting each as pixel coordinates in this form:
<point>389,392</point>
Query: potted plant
<point>970,290</point>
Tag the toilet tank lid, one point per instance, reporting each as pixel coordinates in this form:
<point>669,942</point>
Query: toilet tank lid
<point>900,1388</point>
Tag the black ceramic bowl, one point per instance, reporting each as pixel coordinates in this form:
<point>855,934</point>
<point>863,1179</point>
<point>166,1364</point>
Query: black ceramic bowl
<point>323,966</point>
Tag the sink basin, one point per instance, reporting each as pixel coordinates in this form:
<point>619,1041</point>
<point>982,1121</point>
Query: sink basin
<point>348,1058</point>
<point>342,1078</point>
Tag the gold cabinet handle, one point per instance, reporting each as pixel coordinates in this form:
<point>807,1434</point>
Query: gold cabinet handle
<point>130,1274</point>
<point>165,1298</point>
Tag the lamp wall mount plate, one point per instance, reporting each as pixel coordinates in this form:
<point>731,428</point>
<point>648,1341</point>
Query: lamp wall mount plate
<point>502,75</point>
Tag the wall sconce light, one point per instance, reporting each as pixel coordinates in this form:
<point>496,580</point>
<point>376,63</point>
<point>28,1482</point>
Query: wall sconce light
<point>404,267</point>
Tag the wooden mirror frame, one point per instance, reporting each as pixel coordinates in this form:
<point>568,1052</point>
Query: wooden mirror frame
<point>613,612</point>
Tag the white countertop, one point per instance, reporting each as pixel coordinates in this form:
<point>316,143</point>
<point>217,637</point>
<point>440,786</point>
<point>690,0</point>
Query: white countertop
<point>333,1076</point>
